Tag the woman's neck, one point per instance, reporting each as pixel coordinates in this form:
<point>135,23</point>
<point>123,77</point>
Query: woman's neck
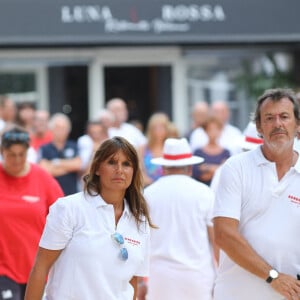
<point>117,201</point>
<point>114,198</point>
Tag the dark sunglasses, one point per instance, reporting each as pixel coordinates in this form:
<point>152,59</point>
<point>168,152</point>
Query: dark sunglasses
<point>22,137</point>
<point>117,237</point>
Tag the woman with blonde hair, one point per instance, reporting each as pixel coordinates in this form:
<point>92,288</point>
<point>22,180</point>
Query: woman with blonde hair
<point>157,130</point>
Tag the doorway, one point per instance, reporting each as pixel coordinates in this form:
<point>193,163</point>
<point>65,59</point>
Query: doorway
<point>68,93</point>
<point>145,89</point>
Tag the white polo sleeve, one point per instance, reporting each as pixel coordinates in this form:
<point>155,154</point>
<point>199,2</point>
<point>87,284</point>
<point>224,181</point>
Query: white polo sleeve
<point>229,190</point>
<point>59,225</point>
<point>143,268</point>
<point>206,204</point>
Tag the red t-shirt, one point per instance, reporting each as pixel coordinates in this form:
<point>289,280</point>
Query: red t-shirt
<point>24,204</point>
<point>36,141</point>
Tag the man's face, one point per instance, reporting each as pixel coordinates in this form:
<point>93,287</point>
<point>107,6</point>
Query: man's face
<point>278,125</point>
<point>60,130</point>
<point>120,112</point>
<point>96,132</point>
<point>9,111</point>
<point>14,159</point>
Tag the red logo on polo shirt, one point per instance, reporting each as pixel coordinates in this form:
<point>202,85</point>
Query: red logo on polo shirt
<point>132,241</point>
<point>294,199</point>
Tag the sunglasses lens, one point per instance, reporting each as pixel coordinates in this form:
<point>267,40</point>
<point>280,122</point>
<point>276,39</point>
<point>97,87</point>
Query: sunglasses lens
<point>120,240</point>
<point>124,253</point>
<point>16,136</point>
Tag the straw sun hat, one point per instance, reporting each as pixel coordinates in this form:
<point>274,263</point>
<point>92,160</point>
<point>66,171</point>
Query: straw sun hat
<point>251,138</point>
<point>176,153</point>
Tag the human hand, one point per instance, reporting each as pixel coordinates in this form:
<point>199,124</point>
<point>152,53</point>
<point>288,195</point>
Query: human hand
<point>287,286</point>
<point>142,290</point>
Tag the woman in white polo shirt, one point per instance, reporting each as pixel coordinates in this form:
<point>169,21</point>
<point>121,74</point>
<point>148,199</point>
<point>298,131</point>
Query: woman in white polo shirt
<point>95,243</point>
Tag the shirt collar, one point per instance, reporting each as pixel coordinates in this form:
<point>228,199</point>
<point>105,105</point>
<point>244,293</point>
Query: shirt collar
<point>297,164</point>
<point>98,201</point>
<point>259,157</point>
<point>261,160</point>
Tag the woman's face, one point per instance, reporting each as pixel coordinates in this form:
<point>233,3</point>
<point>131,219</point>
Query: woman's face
<point>159,130</point>
<point>14,159</point>
<point>213,131</point>
<point>115,173</point>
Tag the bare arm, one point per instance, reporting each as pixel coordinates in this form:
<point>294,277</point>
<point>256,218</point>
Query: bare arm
<point>207,171</point>
<point>134,283</point>
<point>38,276</point>
<point>239,250</point>
<point>141,153</point>
<point>61,166</point>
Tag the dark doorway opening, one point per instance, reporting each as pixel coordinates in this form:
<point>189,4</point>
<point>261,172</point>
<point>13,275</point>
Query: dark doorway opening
<point>68,92</point>
<point>146,89</point>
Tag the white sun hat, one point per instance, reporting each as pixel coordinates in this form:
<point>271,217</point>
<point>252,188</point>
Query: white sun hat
<point>176,153</point>
<point>251,138</point>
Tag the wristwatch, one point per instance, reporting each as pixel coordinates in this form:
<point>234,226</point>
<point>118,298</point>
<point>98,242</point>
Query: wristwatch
<point>273,274</point>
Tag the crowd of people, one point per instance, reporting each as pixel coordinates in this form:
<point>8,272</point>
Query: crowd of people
<point>123,213</point>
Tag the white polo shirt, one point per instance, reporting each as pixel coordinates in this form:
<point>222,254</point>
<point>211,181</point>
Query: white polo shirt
<point>181,261</point>
<point>229,138</point>
<point>268,211</point>
<point>89,267</point>
<point>130,132</point>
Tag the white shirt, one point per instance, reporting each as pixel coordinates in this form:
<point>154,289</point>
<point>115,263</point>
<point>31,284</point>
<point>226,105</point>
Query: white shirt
<point>268,211</point>
<point>216,178</point>
<point>85,150</point>
<point>180,255</point>
<point>129,132</point>
<point>229,139</point>
<point>297,145</point>
<point>2,125</point>
<point>89,267</point>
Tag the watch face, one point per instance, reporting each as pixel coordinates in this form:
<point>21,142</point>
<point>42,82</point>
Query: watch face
<point>273,274</point>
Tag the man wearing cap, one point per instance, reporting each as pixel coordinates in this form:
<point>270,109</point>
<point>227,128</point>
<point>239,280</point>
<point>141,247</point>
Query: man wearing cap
<point>181,258</point>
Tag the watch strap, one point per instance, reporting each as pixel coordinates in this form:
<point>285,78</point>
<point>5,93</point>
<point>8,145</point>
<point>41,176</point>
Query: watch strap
<point>269,279</point>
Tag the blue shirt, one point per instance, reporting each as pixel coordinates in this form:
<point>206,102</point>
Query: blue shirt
<point>68,182</point>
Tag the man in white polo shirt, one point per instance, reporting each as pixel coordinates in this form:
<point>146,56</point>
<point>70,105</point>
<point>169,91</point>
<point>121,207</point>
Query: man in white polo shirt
<point>121,127</point>
<point>181,259</point>
<point>257,209</point>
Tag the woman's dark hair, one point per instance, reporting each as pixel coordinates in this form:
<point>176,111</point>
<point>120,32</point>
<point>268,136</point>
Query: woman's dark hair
<point>134,193</point>
<point>15,135</point>
<point>277,95</point>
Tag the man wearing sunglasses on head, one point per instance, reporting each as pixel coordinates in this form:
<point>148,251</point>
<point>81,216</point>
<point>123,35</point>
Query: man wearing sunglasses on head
<point>26,192</point>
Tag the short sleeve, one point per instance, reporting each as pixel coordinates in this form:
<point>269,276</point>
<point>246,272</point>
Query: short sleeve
<point>143,268</point>
<point>59,225</point>
<point>209,215</point>
<point>228,192</point>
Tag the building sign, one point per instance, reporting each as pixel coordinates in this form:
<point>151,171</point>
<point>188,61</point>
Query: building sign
<point>70,22</point>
